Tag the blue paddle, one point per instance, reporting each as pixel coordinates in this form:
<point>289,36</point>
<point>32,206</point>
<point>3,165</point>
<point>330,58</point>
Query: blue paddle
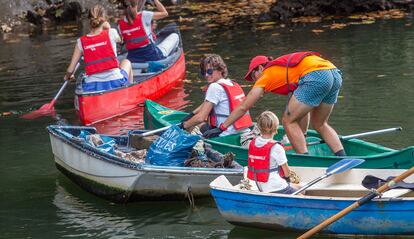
<point>338,167</point>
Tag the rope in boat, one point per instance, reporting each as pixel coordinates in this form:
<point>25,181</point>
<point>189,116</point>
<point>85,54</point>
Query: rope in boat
<point>189,194</point>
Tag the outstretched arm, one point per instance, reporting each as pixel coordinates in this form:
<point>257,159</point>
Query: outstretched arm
<point>200,116</point>
<point>161,11</point>
<point>254,95</point>
<point>75,59</point>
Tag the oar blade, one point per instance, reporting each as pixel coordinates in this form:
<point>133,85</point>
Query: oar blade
<point>343,165</point>
<point>371,181</point>
<point>46,109</point>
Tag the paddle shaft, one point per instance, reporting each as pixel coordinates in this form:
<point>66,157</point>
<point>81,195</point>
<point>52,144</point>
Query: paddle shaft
<point>354,136</point>
<point>338,167</point>
<point>62,88</point>
<point>310,184</point>
<point>356,204</point>
<point>155,131</point>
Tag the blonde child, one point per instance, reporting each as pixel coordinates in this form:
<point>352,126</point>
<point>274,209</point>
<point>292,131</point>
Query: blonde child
<point>267,162</point>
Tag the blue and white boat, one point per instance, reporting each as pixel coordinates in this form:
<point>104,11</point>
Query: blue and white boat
<point>120,180</point>
<point>392,214</point>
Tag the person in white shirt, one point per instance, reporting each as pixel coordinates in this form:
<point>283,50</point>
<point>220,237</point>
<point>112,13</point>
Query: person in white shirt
<point>267,162</point>
<point>103,71</point>
<point>222,96</point>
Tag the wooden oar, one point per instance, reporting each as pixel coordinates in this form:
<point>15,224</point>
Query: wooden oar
<point>354,136</point>
<point>356,204</point>
<point>338,167</point>
<point>48,108</point>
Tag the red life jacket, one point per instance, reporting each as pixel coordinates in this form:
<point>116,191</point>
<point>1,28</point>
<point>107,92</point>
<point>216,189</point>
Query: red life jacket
<point>134,34</point>
<point>235,95</point>
<point>289,60</point>
<point>259,162</point>
<point>99,56</point>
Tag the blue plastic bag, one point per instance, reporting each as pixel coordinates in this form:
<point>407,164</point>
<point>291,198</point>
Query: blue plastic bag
<point>172,148</point>
<point>108,142</point>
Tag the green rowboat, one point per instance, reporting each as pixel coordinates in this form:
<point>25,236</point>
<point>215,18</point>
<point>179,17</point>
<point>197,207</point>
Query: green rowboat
<point>375,156</point>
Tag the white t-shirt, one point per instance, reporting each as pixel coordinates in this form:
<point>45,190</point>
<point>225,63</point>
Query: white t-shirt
<point>277,158</point>
<point>217,95</point>
<point>109,75</point>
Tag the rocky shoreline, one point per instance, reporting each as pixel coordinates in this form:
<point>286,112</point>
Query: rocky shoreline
<point>214,13</point>
<point>287,9</point>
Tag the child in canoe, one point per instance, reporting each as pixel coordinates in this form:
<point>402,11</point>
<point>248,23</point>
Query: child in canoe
<point>267,162</point>
<point>103,71</point>
<point>136,31</point>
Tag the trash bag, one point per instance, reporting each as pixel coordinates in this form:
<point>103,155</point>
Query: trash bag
<point>172,148</point>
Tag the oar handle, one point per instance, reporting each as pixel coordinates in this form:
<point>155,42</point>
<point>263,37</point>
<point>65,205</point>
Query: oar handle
<point>356,204</point>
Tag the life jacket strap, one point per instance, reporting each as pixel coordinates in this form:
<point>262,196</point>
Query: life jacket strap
<point>100,60</point>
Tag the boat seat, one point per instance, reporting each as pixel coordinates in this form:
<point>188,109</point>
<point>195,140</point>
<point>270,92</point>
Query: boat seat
<point>316,189</point>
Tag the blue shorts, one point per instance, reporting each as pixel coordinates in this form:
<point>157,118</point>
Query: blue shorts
<point>125,74</point>
<point>106,85</point>
<point>318,87</point>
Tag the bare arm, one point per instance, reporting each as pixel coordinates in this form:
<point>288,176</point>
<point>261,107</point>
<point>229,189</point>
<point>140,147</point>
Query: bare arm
<point>285,169</point>
<point>161,11</point>
<point>77,54</point>
<point>254,95</point>
<point>201,116</point>
<point>198,108</point>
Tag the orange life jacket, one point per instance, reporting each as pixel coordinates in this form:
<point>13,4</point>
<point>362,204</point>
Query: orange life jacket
<point>258,162</point>
<point>235,95</point>
<point>289,60</point>
<point>99,55</point>
<point>134,34</point>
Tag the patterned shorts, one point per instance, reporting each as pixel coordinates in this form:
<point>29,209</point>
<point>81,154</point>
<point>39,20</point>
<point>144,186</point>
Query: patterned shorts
<point>319,86</point>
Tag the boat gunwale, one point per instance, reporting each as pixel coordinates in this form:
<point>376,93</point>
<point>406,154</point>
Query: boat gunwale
<point>300,197</point>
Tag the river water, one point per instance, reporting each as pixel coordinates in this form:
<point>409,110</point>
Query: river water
<point>37,201</point>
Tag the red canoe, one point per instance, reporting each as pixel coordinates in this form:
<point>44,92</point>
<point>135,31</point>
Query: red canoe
<point>93,107</point>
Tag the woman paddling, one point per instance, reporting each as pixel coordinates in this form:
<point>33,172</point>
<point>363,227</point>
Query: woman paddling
<point>222,96</point>
<point>136,30</point>
<point>99,50</point>
<point>312,85</point>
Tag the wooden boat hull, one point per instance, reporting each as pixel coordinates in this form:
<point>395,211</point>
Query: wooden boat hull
<point>120,180</point>
<point>94,107</point>
<point>375,156</point>
<point>385,216</point>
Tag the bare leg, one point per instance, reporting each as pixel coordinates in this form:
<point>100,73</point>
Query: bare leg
<point>304,123</point>
<point>319,121</point>
<point>295,113</point>
<point>126,66</point>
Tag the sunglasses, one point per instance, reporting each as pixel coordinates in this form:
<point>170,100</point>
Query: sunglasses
<point>208,72</point>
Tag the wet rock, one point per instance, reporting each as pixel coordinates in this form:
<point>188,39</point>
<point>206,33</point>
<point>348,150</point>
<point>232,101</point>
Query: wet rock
<point>6,28</point>
<point>287,9</point>
<point>58,12</point>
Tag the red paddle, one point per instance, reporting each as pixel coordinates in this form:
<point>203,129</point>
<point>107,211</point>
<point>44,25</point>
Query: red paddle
<point>47,109</point>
